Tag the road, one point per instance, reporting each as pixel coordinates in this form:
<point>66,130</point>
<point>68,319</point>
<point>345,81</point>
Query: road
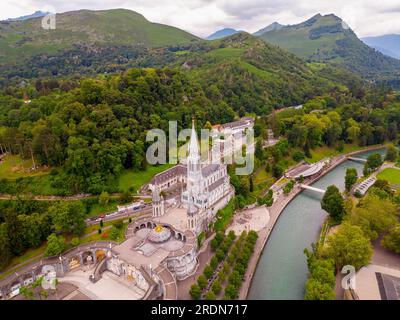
<point>120,215</point>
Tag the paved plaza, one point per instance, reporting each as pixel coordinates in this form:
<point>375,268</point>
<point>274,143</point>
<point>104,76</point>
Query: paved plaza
<point>251,219</point>
<point>104,289</point>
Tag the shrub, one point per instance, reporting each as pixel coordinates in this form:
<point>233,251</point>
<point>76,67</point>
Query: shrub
<point>214,262</point>
<point>298,156</point>
<point>118,224</point>
<point>195,292</point>
<point>75,241</point>
<point>210,295</point>
<point>202,281</point>
<point>208,271</point>
<point>216,287</point>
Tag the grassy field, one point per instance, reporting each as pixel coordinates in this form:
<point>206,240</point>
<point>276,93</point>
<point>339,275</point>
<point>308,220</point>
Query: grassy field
<point>392,175</point>
<point>131,180</point>
<point>224,216</point>
<point>262,181</point>
<point>24,259</point>
<point>13,167</point>
<point>97,209</point>
<point>320,153</point>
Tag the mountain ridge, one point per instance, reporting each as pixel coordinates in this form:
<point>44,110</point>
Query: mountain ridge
<point>327,38</point>
<point>36,14</point>
<point>222,33</point>
<point>21,40</point>
<point>273,26</point>
<point>388,44</point>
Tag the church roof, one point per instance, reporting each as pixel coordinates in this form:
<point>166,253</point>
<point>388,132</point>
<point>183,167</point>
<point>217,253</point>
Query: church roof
<point>209,169</point>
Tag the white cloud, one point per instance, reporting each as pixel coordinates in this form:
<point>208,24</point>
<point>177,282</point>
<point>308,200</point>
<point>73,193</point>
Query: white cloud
<point>202,17</point>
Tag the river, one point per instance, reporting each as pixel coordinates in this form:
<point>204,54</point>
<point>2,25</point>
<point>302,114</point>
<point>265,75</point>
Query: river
<point>282,269</point>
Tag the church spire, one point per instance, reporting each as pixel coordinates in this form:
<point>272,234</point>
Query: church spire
<point>193,143</point>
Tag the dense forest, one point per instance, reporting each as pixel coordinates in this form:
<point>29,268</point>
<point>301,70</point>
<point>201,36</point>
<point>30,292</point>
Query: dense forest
<point>95,127</point>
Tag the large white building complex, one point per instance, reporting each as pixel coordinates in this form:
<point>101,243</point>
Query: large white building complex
<point>161,247</point>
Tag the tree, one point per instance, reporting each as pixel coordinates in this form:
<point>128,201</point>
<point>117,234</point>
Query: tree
<point>125,198</point>
<point>288,187</point>
<point>69,217</point>
<point>104,198</point>
<point>391,240</point>
<point>55,245</point>
<point>210,295</point>
<point>267,200</point>
<point>27,293</point>
<point>231,291</point>
<point>208,271</point>
<point>259,152</point>
<point>350,178</point>
<point>333,203</point>
<point>374,215</point>
<point>316,290</point>
<point>349,246</point>
<point>216,286</point>
<point>5,255</point>
<point>195,292</point>
<point>214,262</point>
<point>202,281</point>
<point>323,271</point>
<point>391,153</point>
<point>251,187</point>
<point>277,170</point>
<point>114,234</point>
<point>374,161</point>
<point>298,156</point>
<point>14,229</point>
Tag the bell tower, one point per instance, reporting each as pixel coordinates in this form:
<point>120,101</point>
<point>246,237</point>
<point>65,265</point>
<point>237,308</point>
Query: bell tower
<point>193,166</point>
<point>158,203</point>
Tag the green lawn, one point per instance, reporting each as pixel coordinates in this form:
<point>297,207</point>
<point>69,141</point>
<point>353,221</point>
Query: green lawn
<point>97,209</point>
<point>320,153</point>
<point>392,175</point>
<point>13,167</point>
<point>133,180</point>
<point>262,181</point>
<point>224,216</point>
<point>23,260</point>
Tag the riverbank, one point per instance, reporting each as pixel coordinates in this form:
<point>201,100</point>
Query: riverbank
<point>278,207</point>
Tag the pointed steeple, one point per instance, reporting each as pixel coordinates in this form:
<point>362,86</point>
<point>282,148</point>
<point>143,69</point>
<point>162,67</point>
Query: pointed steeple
<point>193,143</point>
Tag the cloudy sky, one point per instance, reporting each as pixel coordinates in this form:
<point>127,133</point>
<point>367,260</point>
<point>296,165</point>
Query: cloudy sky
<point>202,17</point>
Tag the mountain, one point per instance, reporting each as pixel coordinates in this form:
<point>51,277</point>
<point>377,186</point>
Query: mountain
<point>387,44</point>
<point>22,40</point>
<point>36,14</point>
<point>271,27</point>
<point>256,76</point>
<point>328,39</point>
<point>222,33</point>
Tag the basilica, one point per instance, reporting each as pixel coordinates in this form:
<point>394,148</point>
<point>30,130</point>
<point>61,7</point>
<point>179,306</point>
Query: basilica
<point>205,187</point>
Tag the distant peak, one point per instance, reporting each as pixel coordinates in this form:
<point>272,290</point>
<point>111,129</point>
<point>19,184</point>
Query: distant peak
<point>225,32</point>
<point>273,26</point>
